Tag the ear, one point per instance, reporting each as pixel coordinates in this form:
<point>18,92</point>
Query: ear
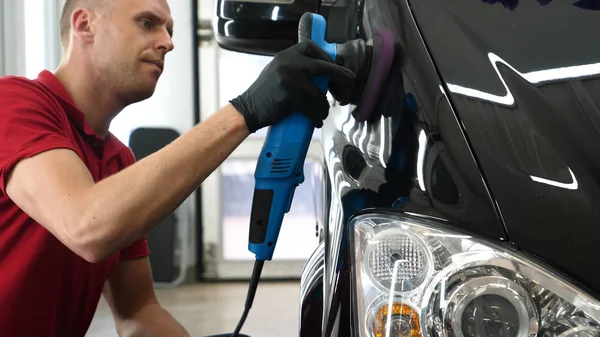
<point>82,25</point>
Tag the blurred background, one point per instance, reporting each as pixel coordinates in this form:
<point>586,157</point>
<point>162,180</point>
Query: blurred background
<point>200,259</point>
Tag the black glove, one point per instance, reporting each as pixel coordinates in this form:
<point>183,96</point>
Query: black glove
<point>285,86</point>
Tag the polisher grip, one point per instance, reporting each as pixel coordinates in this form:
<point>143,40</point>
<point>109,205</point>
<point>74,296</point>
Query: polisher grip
<point>281,162</point>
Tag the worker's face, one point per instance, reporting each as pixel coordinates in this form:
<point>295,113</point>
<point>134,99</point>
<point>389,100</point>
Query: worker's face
<point>130,45</point>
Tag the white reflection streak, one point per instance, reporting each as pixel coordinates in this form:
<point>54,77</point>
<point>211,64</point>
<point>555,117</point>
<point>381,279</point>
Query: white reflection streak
<point>226,27</point>
<point>348,126</point>
<point>391,297</point>
<point>534,77</point>
<point>571,186</point>
<point>384,141</point>
<point>563,73</point>
<point>341,186</point>
<point>420,159</point>
<point>361,141</point>
<point>275,13</point>
<point>456,236</point>
<point>507,99</point>
<point>504,100</point>
<point>359,136</point>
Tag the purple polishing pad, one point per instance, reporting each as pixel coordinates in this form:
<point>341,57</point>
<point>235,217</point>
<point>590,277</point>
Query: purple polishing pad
<point>384,50</point>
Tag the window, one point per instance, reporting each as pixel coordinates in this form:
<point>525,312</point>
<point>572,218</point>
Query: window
<point>297,239</point>
<point>2,40</point>
<point>35,48</point>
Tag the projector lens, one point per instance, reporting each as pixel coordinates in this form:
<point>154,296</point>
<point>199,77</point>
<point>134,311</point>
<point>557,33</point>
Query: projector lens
<point>490,316</point>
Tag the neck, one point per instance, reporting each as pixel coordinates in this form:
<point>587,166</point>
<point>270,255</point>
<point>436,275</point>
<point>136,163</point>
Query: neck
<point>89,94</point>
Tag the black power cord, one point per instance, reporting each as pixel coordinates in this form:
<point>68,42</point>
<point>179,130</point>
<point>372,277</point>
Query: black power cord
<point>258,265</point>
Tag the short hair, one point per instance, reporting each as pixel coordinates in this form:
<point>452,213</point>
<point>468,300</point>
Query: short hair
<point>67,11</point>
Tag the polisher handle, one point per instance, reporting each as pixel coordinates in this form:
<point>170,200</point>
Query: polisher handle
<point>280,167</point>
<point>314,27</point>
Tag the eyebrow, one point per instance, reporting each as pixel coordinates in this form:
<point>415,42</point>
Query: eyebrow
<point>153,16</point>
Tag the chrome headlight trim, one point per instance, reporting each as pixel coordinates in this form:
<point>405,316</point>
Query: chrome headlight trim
<point>545,302</point>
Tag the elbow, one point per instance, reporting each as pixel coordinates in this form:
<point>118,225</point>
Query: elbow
<point>89,240</point>
<point>90,250</point>
<point>91,255</point>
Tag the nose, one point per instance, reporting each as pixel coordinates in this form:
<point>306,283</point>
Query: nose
<point>165,42</point>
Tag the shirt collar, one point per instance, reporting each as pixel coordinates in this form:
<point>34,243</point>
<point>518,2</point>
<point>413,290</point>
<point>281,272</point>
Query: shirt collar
<point>51,82</point>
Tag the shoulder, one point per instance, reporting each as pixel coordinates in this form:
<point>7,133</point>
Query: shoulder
<point>12,80</point>
<point>24,92</point>
<point>17,84</point>
<point>28,105</point>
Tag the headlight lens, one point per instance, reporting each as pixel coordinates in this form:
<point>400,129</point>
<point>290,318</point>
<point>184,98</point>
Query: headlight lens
<point>417,278</point>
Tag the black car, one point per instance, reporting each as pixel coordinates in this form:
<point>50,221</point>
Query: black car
<point>468,204</point>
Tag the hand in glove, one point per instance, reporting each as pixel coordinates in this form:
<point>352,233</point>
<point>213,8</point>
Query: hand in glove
<point>286,86</point>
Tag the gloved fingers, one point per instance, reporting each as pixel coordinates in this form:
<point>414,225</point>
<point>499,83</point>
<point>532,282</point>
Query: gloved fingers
<point>313,103</point>
<point>316,95</point>
<point>335,72</point>
<point>311,49</point>
<point>322,64</point>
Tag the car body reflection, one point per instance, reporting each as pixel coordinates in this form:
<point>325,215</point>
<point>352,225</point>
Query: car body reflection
<point>490,123</point>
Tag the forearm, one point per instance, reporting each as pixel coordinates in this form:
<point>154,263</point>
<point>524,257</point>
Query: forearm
<point>128,204</point>
<point>151,321</point>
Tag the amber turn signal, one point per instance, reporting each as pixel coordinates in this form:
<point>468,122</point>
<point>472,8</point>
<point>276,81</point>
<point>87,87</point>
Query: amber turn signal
<point>396,320</point>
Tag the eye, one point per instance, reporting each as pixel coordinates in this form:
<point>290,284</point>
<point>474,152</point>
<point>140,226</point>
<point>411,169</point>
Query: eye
<point>145,23</point>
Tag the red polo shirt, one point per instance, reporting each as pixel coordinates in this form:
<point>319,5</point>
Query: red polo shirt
<point>46,289</point>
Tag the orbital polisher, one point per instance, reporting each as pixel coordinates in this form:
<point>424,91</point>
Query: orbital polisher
<point>281,162</point>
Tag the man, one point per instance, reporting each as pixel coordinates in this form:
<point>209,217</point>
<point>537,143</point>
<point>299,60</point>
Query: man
<point>74,207</point>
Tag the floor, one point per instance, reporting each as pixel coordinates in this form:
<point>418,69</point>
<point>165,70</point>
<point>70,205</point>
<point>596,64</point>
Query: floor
<point>213,308</point>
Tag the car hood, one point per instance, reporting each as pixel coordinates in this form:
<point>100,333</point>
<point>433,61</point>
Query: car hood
<point>523,81</point>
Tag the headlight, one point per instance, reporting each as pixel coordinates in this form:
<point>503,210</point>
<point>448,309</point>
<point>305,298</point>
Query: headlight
<point>414,277</point>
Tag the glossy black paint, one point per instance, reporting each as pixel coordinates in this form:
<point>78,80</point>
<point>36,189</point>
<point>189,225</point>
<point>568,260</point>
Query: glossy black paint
<point>259,28</point>
<point>269,27</point>
<point>413,156</point>
<point>525,84</point>
<point>479,134</point>
<point>256,11</point>
<point>311,294</point>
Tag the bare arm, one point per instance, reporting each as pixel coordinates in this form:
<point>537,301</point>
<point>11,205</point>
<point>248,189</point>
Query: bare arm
<point>95,220</point>
<point>130,295</point>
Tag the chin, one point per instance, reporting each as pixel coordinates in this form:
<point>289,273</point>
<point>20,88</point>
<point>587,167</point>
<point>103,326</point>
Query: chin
<point>146,94</point>
<point>139,95</point>
<point>145,88</point>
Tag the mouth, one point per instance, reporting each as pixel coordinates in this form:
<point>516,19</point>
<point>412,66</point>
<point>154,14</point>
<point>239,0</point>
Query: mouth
<point>157,63</point>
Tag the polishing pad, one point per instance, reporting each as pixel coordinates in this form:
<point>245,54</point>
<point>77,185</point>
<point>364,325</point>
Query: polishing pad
<point>384,51</point>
